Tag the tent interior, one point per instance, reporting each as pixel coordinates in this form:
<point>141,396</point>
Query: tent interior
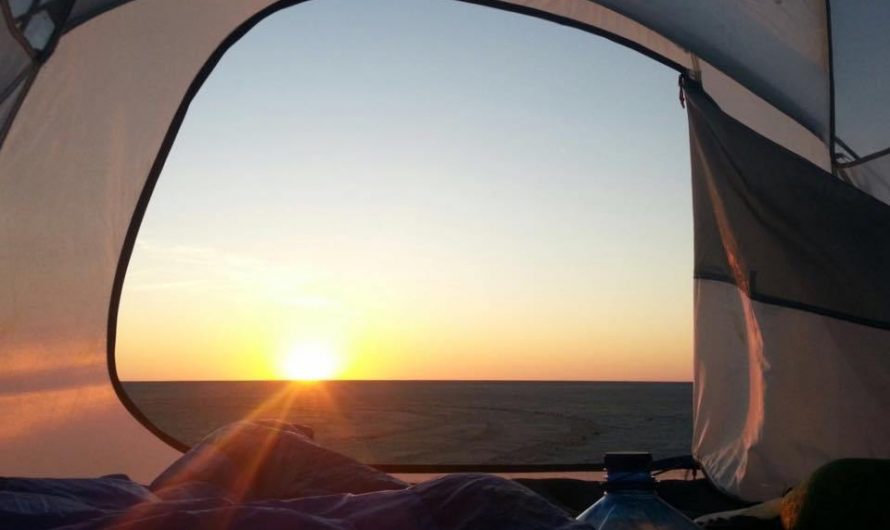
<point>789,126</point>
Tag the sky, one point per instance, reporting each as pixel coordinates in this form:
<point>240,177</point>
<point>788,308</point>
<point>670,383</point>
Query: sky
<point>418,189</point>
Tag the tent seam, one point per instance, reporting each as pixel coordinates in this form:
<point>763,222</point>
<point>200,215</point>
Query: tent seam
<point>791,304</point>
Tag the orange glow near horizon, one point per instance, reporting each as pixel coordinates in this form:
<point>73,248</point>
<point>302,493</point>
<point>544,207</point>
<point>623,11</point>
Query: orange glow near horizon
<point>236,319</point>
<point>238,336</point>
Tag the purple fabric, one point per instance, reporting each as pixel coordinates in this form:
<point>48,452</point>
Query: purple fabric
<point>270,460</point>
<point>271,475</point>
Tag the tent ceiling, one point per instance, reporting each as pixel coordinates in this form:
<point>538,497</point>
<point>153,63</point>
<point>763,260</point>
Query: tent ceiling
<point>777,50</point>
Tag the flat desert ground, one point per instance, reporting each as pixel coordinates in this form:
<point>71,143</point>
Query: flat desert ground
<point>441,422</point>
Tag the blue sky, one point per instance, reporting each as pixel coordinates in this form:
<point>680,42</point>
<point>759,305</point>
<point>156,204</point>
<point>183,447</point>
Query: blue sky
<point>410,178</point>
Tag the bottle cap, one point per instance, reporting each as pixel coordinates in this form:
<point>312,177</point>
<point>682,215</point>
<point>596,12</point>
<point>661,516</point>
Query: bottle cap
<point>624,461</point>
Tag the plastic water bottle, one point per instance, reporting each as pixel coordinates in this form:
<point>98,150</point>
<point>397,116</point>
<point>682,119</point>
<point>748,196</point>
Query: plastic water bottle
<point>630,502</point>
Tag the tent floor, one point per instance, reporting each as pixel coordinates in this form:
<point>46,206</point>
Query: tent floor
<point>692,497</point>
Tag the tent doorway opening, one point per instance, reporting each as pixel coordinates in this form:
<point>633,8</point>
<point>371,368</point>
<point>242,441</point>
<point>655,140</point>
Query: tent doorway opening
<point>463,241</point>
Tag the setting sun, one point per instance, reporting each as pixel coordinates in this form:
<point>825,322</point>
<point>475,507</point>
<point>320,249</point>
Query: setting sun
<point>311,361</point>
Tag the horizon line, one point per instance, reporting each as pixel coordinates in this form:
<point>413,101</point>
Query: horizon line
<point>398,381</point>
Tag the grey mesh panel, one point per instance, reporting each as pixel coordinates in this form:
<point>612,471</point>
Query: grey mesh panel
<point>872,177</point>
<point>14,60</point>
<point>15,66</point>
<point>19,7</point>
<point>861,46</point>
<point>861,53</point>
<point>39,30</point>
<point>780,228</point>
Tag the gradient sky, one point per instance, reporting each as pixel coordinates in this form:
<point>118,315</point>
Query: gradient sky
<point>433,190</point>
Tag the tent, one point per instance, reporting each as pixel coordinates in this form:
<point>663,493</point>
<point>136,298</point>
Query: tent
<point>789,113</point>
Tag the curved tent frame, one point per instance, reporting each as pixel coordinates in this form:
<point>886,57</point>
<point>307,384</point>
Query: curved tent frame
<point>791,368</point>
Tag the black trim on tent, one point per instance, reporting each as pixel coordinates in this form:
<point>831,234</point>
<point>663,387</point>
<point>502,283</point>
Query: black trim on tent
<point>142,205</point>
<point>657,467</point>
<point>155,172</point>
<point>496,4</point>
<point>14,30</point>
<point>487,468</point>
<point>564,21</point>
<point>29,74</point>
<point>14,83</point>
<point>60,19</point>
<point>832,136</point>
<point>752,293</point>
<point>850,153</point>
<point>89,15</point>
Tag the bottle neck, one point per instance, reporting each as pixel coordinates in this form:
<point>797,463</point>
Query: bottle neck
<point>629,481</point>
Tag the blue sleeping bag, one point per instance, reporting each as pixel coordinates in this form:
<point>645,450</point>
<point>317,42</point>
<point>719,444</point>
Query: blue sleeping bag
<point>270,475</point>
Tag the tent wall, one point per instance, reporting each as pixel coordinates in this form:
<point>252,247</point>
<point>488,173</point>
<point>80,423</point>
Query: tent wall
<point>72,171</point>
<point>862,93</point>
<point>862,74</point>
<point>792,311</point>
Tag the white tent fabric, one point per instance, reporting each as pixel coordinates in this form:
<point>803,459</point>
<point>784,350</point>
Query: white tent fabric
<point>72,169</point>
<point>764,417</point>
<point>91,96</point>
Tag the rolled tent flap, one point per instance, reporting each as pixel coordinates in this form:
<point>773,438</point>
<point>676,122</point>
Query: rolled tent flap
<point>792,311</point>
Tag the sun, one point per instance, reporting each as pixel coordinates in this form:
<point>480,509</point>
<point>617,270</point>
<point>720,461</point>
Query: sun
<point>311,361</point>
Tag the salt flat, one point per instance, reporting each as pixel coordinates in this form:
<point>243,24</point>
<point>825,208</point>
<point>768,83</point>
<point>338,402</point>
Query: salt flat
<point>441,422</point>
